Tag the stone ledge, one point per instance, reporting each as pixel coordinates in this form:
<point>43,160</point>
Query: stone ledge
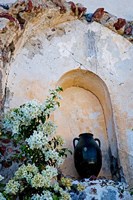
<point>102,189</point>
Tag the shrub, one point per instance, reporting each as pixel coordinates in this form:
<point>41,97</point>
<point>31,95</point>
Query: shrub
<point>42,152</point>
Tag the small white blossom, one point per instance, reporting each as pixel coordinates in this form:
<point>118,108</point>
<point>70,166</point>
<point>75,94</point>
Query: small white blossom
<point>31,168</point>
<point>65,195</point>
<point>54,156</point>
<point>26,171</point>
<point>46,195</point>
<point>38,181</point>
<point>31,109</point>
<point>37,140</point>
<point>50,172</point>
<point>12,187</point>
<point>56,187</point>
<point>23,115</point>
<point>1,178</point>
<point>48,128</point>
<point>2,197</point>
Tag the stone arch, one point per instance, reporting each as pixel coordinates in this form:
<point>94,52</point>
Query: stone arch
<point>88,81</point>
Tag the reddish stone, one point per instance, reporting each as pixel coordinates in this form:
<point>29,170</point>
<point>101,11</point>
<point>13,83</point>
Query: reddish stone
<point>128,30</point>
<point>10,150</point>
<point>6,141</point>
<point>93,178</point>
<point>73,6</point>
<point>16,5</point>
<point>6,164</point>
<point>37,8</point>
<point>2,150</point>
<point>98,14</point>
<point>8,16</point>
<point>29,6</point>
<point>60,4</point>
<point>81,11</point>
<point>120,23</point>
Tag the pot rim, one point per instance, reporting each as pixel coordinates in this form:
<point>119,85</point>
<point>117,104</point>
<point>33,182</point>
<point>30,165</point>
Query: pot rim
<point>88,134</point>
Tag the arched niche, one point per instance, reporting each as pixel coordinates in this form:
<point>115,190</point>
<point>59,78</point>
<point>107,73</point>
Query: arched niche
<point>86,107</point>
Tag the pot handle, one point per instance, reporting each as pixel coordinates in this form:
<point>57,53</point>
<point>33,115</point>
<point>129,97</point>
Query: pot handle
<point>99,143</point>
<point>74,141</point>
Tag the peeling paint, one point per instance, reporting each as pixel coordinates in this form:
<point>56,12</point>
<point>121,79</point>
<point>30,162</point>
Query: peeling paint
<point>34,47</point>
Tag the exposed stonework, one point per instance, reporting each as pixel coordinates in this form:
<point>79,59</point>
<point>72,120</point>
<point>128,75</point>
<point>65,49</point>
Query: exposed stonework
<point>118,25</point>
<point>19,20</point>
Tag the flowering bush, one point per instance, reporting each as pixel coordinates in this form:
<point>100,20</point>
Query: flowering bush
<point>38,177</point>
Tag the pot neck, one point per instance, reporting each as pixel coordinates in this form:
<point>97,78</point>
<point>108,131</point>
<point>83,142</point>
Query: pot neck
<point>86,135</point>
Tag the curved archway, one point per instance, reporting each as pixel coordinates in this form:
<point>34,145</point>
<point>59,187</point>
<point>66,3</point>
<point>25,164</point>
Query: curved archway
<point>89,92</point>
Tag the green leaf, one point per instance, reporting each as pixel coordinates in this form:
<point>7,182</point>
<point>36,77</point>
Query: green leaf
<point>55,197</point>
<point>58,89</point>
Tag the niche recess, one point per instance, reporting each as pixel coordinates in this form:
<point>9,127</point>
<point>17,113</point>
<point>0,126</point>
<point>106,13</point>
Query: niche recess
<point>86,107</point>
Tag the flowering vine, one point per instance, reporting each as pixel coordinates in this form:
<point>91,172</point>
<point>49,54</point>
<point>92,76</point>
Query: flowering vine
<point>41,151</point>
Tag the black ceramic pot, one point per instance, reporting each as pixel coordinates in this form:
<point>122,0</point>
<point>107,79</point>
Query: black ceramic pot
<point>87,155</point>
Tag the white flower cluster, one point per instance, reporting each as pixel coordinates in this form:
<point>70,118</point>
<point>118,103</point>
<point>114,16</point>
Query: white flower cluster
<point>54,156</point>
<point>31,174</point>
<point>46,195</point>
<point>31,110</point>
<point>31,121</point>
<point>56,187</point>
<point>26,172</point>
<point>65,195</point>
<point>37,140</point>
<point>2,197</point>
<point>1,178</point>
<point>44,179</point>
<point>12,187</point>
<point>12,121</point>
<point>41,137</point>
<point>39,181</point>
<point>50,172</point>
<point>48,128</point>
<point>22,116</point>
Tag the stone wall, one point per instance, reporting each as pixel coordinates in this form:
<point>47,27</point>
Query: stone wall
<point>56,41</point>
<point>122,9</point>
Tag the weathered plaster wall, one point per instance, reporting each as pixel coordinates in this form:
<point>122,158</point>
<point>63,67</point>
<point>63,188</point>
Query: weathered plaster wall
<point>48,54</point>
<point>21,19</point>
